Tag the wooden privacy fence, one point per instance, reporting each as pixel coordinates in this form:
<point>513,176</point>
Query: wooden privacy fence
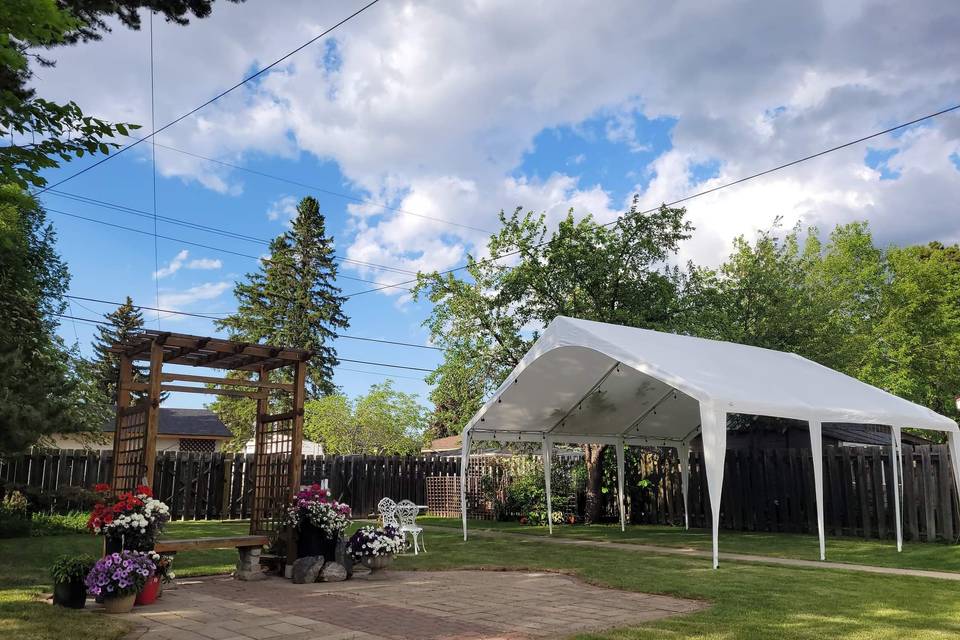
<point>764,490</point>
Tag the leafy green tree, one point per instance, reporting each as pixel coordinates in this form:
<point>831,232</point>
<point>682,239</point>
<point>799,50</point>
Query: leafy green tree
<point>293,300</point>
<point>43,133</point>
<point>384,421</point>
<point>585,270</point>
<point>43,388</point>
<point>124,321</point>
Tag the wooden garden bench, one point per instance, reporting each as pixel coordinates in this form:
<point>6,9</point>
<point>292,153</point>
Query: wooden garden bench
<point>249,547</point>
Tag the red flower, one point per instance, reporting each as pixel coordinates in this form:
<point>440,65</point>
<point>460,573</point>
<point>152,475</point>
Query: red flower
<point>101,487</point>
<point>144,490</point>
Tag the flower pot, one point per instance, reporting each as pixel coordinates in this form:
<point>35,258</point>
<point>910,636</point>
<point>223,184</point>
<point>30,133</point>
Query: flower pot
<point>112,545</point>
<point>150,591</point>
<point>377,564</point>
<point>313,541</point>
<point>119,604</point>
<point>70,594</point>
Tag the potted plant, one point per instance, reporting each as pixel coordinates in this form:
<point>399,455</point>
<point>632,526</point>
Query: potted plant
<point>68,573</point>
<point>162,574</point>
<point>375,548</point>
<point>318,520</point>
<point>118,577</point>
<point>132,521</point>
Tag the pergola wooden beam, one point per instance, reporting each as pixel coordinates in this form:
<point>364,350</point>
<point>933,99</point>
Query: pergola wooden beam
<point>237,382</point>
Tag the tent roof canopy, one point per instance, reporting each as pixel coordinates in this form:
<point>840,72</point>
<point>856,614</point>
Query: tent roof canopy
<point>585,381</point>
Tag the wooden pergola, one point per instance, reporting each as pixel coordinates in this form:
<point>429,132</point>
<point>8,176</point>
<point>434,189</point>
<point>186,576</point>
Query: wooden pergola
<point>278,437</point>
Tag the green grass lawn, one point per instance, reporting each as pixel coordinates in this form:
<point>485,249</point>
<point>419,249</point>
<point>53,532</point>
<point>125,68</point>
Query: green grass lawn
<point>882,553</point>
<point>747,600</point>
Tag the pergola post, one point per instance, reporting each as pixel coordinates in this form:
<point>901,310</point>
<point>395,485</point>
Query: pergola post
<point>816,449</point>
<point>546,482</point>
<point>153,410</point>
<point>683,451</point>
<point>296,447</point>
<point>896,465</point>
<point>620,472</point>
<point>713,423</point>
<point>464,463</point>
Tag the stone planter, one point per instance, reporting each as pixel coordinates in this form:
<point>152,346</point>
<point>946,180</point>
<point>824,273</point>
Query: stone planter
<point>377,564</point>
<point>70,594</point>
<point>119,604</point>
<point>313,541</point>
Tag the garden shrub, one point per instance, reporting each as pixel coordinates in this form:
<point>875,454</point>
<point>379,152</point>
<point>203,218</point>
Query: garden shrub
<point>14,515</point>
<point>526,497</point>
<point>57,524</point>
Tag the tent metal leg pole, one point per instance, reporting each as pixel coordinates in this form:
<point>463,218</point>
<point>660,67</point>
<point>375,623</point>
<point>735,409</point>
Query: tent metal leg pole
<point>714,433</point>
<point>620,471</point>
<point>464,463</point>
<point>683,451</point>
<point>546,481</point>
<point>816,449</point>
<point>896,464</point>
<point>953,439</point>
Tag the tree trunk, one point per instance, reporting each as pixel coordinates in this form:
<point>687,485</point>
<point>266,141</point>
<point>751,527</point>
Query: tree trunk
<point>593,455</point>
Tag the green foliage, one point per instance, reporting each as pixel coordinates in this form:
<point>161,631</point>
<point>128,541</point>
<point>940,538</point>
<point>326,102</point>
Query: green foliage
<point>44,388</point>
<point>292,300</point>
<point>14,515</point>
<point>124,321</point>
<point>58,524</point>
<point>71,568</point>
<point>525,494</point>
<point>383,421</point>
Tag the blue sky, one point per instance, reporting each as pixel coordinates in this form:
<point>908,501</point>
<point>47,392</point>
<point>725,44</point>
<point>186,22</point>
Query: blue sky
<point>456,112</point>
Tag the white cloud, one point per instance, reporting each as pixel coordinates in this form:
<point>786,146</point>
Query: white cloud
<point>205,264</point>
<point>435,104</point>
<point>179,261</point>
<point>173,266</point>
<point>177,300</point>
<point>285,208</point>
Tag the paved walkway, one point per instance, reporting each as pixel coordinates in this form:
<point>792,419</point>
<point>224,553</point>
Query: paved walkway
<point>443,605</point>
<point>698,553</point>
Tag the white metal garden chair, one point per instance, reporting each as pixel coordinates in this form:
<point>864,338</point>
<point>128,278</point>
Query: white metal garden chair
<point>387,510</point>
<point>407,514</point>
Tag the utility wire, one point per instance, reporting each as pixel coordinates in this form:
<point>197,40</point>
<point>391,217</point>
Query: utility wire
<point>153,166</point>
<point>375,364</point>
<point>705,191</point>
<point>337,194</point>
<point>214,317</point>
<point>211,100</point>
<point>200,227</point>
<point>202,246</point>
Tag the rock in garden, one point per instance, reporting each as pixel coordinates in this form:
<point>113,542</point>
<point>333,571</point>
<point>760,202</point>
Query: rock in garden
<point>333,572</point>
<point>306,569</point>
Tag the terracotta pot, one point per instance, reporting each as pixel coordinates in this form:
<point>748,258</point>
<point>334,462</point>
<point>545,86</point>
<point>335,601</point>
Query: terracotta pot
<point>119,604</point>
<point>150,591</point>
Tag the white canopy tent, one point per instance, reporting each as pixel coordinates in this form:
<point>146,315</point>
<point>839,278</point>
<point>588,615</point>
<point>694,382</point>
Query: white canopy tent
<point>592,382</point>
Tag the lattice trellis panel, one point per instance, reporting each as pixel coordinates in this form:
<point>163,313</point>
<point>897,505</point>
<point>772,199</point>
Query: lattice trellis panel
<point>129,463</point>
<point>271,468</point>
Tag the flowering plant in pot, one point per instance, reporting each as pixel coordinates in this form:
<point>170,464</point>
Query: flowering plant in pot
<point>375,547</point>
<point>162,573</point>
<point>133,521</point>
<point>68,573</point>
<point>118,577</point>
<point>319,521</point>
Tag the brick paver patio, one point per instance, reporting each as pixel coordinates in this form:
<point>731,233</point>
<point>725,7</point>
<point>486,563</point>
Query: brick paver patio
<point>440,605</point>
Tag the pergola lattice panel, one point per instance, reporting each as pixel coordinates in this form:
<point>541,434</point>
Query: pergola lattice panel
<point>272,466</point>
<point>130,462</point>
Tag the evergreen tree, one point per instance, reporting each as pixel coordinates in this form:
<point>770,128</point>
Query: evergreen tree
<point>124,321</point>
<point>293,300</point>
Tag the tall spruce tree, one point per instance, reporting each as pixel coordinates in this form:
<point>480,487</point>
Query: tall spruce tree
<point>293,300</point>
<point>124,321</point>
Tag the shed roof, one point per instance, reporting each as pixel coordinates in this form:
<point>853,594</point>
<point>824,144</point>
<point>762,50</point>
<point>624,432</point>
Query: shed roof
<point>186,423</point>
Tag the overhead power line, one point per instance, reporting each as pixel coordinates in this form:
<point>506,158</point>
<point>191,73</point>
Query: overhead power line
<point>329,192</point>
<point>214,317</point>
<point>708,191</point>
<point>211,100</point>
<point>200,227</point>
<point>203,246</point>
